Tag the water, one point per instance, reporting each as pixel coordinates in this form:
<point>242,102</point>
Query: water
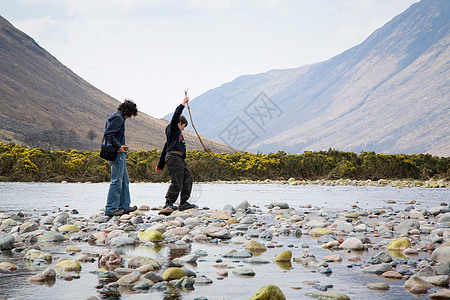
<point>88,199</point>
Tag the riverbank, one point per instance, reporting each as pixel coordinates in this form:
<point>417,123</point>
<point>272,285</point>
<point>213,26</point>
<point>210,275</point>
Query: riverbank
<point>389,250</point>
<point>346,182</point>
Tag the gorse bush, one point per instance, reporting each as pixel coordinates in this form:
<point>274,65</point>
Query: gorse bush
<point>18,163</point>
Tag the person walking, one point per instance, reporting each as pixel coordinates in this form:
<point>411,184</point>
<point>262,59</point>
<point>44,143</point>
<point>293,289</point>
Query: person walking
<point>174,155</point>
<point>118,200</point>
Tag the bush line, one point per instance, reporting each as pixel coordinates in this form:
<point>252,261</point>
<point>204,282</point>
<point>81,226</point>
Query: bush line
<point>18,163</point>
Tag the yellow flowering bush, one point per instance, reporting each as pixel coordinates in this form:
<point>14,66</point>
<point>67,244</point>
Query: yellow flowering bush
<point>18,163</point>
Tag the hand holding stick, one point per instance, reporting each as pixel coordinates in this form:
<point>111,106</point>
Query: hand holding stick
<point>190,116</point>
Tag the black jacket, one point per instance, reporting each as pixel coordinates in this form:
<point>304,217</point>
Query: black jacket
<point>115,130</point>
<point>175,138</point>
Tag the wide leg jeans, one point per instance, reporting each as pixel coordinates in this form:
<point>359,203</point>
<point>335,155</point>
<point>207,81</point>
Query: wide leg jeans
<point>119,189</point>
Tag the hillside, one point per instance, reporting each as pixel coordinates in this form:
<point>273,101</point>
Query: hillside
<point>389,94</point>
<point>38,94</point>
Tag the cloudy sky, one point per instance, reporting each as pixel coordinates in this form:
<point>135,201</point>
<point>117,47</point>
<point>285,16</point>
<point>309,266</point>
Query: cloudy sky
<point>151,50</point>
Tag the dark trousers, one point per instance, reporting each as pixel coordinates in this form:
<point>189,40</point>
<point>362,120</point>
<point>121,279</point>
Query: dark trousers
<point>181,179</point>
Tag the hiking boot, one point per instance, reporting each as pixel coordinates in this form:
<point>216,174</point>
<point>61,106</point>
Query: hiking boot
<point>130,209</point>
<point>116,213</point>
<point>186,206</point>
<point>172,206</point>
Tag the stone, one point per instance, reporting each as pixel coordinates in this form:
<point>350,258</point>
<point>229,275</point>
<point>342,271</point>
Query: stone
<point>284,256</point>
<point>218,232</point>
<point>410,252</point>
<point>378,269</point>
<point>150,236</point>
<point>69,265</point>
<point>37,278</point>
<point>441,255</point>
<point>319,232</point>
<point>282,205</point>
<point>404,227</point>
<point>330,245</point>
<point>440,295</point>
<point>255,246</point>
<point>445,218</point>
<point>328,295</point>
<point>34,254</point>
<point>441,280</point>
<point>239,240</point>
<point>399,244</point>
<point>68,228</point>
<point>51,236</point>
<point>173,273</point>
<point>129,279</point>
<point>72,249</point>
<point>268,292</point>
<point>139,261</point>
<point>392,275</point>
<point>145,269</point>
<point>332,258</point>
<point>248,220</point>
<point>190,258</point>
<point>185,283</point>
<point>7,266</point>
<point>242,271</point>
<point>239,254</point>
<point>224,215</point>
<point>381,257</point>
<point>416,285</point>
<point>242,206</point>
<point>379,286</point>
<point>191,222</point>
<point>256,261</point>
<point>109,257</point>
<point>203,280</point>
<point>49,273</point>
<point>7,242</point>
<point>352,243</point>
<point>352,215</point>
<point>8,223</point>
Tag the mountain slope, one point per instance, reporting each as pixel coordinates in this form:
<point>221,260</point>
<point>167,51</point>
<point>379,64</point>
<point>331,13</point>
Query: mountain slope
<point>389,94</point>
<point>37,92</point>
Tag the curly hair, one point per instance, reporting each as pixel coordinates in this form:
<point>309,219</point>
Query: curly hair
<point>128,108</point>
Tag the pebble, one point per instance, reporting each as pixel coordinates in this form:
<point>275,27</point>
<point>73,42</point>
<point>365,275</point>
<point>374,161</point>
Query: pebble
<point>276,228</point>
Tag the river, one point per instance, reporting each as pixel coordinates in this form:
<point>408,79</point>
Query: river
<point>89,199</point>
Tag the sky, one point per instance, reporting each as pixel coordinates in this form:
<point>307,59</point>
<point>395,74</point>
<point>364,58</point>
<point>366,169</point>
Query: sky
<point>150,51</point>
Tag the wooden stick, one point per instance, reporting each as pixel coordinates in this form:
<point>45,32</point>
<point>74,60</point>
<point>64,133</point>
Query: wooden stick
<point>190,116</point>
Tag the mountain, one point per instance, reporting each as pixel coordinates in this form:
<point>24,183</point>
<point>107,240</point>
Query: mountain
<point>39,95</point>
<point>389,94</point>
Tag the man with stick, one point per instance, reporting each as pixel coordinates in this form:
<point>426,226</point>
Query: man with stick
<point>174,155</point>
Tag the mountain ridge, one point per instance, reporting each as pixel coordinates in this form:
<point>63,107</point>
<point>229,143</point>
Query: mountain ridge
<point>388,94</point>
<point>39,93</point>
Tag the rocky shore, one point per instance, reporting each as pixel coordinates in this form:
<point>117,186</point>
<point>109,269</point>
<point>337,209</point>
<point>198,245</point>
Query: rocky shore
<point>405,247</point>
<point>349,182</point>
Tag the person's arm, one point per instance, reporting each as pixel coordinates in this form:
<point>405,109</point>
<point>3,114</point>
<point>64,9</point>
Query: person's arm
<point>113,127</point>
<point>162,159</point>
<point>178,111</point>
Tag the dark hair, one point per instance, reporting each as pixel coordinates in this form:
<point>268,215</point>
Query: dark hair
<point>183,120</point>
<point>128,108</point>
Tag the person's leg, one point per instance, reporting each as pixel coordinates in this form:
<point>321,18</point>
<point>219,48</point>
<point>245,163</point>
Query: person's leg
<point>115,188</point>
<point>125,199</point>
<point>175,166</point>
<point>187,184</point>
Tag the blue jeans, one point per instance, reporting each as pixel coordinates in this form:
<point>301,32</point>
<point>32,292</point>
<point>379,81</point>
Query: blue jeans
<point>119,190</point>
